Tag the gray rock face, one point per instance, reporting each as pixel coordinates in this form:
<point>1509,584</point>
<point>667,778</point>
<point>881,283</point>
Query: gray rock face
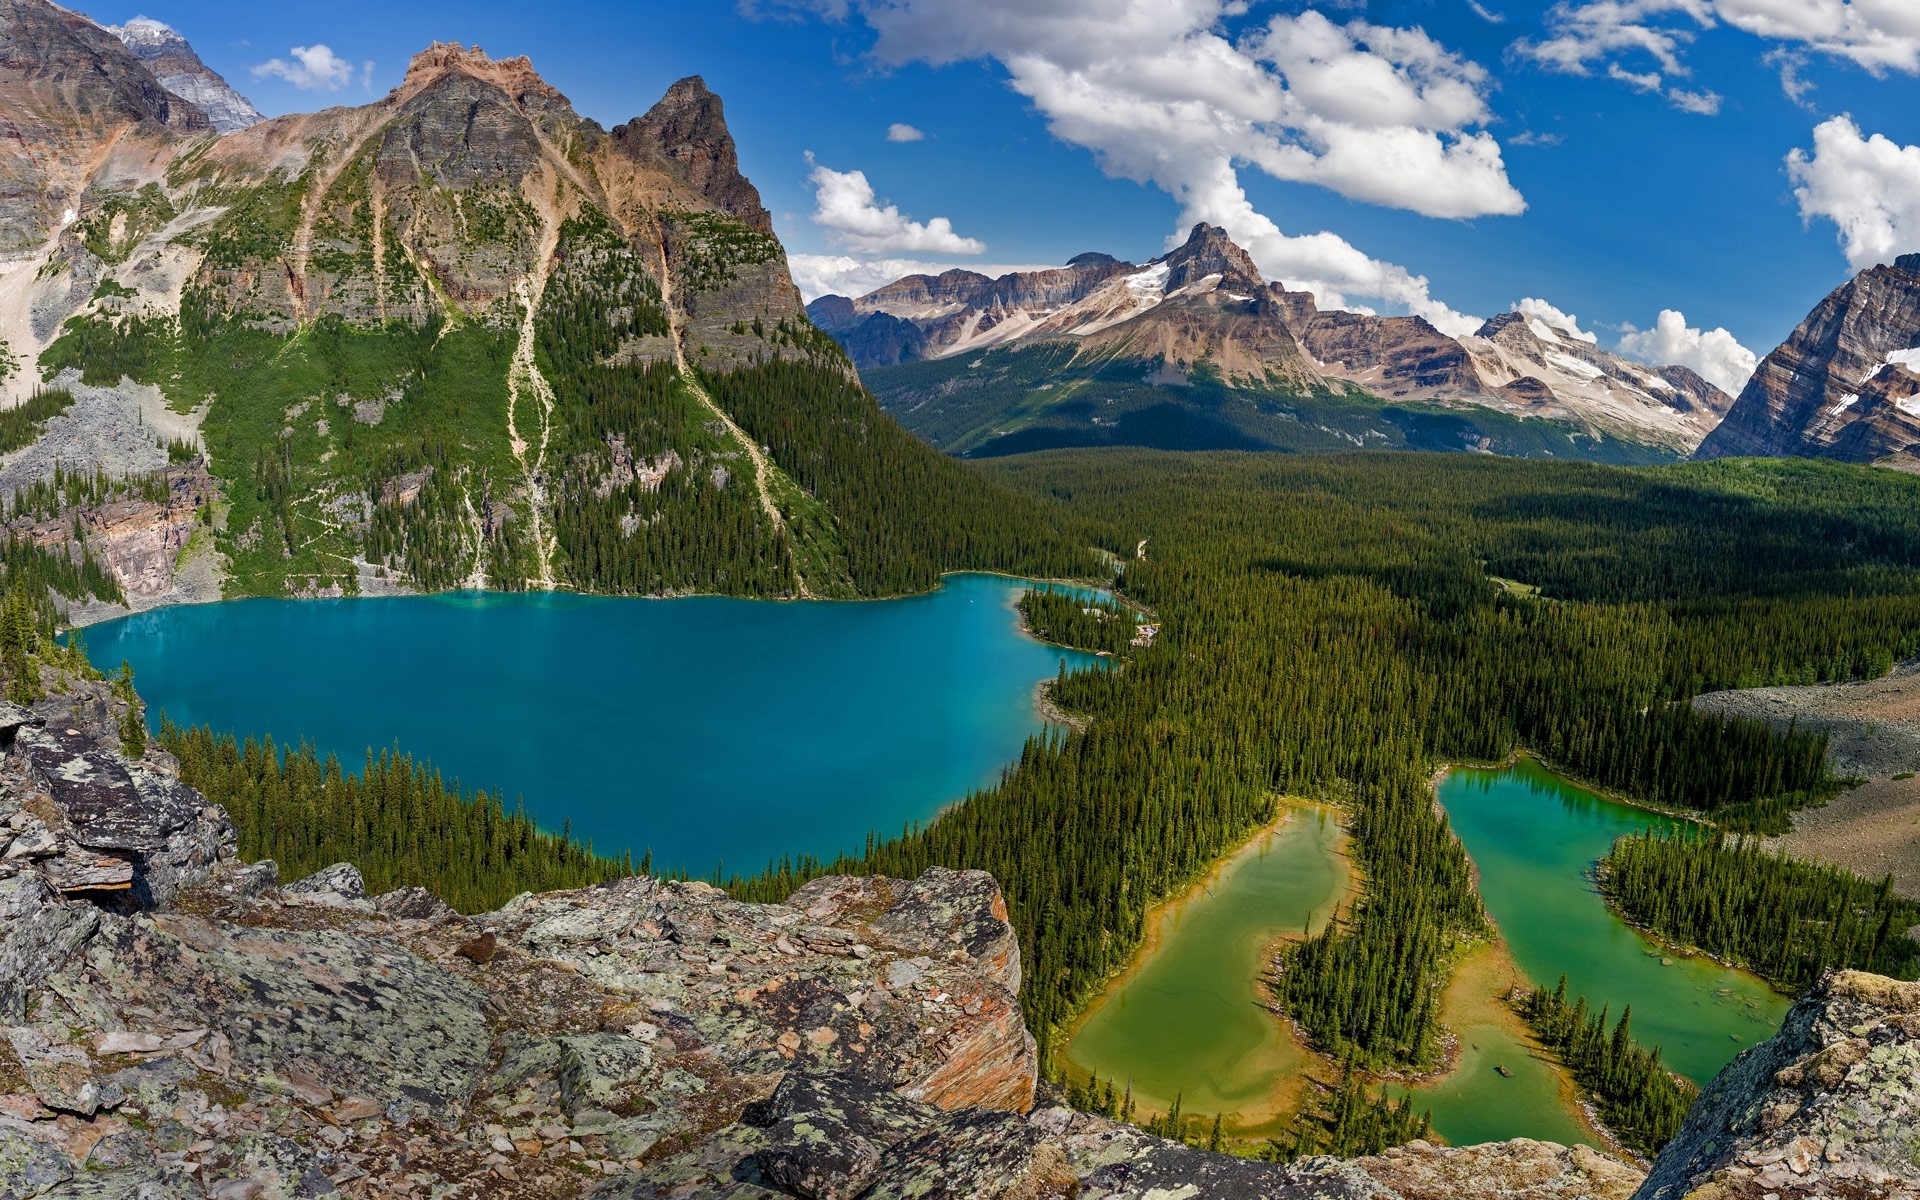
<point>1845,385</point>
<point>1829,1107</point>
<point>179,70</point>
<point>72,93</point>
<point>39,933</point>
<point>118,826</point>
<point>340,879</point>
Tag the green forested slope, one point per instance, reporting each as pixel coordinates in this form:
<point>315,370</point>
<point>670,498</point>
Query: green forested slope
<point>1787,921</point>
<point>1023,398</point>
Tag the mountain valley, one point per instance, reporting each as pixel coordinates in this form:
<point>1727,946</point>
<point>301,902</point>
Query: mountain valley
<point>1262,699</point>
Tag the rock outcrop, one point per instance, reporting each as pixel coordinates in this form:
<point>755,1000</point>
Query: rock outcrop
<point>1829,1107</point>
<point>1845,385</point>
<point>175,1025</point>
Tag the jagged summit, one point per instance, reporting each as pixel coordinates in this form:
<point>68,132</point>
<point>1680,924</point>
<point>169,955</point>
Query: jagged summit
<point>512,75</point>
<point>686,131</point>
<point>179,69</point>
<point>1207,252</point>
<point>1206,303</point>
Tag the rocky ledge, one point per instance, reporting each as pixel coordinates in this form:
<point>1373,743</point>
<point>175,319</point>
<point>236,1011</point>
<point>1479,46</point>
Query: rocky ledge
<point>175,1023</point>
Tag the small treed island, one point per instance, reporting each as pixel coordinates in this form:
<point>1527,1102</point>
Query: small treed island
<point>512,686</point>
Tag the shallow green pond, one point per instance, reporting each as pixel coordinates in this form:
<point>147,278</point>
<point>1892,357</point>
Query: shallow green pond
<point>1534,838</point>
<point>1189,1019</point>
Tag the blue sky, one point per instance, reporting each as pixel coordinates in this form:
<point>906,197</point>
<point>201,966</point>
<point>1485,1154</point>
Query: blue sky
<point>1608,158</point>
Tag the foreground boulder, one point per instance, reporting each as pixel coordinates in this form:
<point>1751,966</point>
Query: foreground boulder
<point>194,1030</point>
<point>1829,1107</point>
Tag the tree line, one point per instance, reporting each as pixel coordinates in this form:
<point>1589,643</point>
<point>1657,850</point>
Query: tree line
<point>1786,921</point>
<point>1642,1102</point>
<point>399,821</point>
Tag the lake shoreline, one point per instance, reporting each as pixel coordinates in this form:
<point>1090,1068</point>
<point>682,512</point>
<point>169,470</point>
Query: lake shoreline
<point>1286,1088</point>
<point>765,731</point>
<point>92,615</point>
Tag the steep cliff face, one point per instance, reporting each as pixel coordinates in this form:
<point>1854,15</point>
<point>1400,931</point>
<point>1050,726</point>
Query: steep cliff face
<point>1845,385</point>
<point>1824,1109</point>
<point>179,69</point>
<point>81,107</point>
<point>172,1023</point>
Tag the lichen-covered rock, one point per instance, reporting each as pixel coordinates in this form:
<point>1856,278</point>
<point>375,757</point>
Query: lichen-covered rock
<point>907,984</point>
<point>413,904</point>
<point>1521,1169</point>
<point>312,1013</point>
<point>1829,1107</point>
<point>39,933</point>
<point>340,879</point>
<point>114,826</point>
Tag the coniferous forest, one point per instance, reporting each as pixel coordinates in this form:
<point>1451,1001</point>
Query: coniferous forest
<point>1338,627</point>
<point>397,820</point>
<point>1786,921</point>
<point>1641,1101</point>
<point>1329,627</point>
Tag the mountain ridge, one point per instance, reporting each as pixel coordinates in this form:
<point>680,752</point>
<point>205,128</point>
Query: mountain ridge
<point>1259,337</point>
<point>459,336</point>
<point>178,68</point>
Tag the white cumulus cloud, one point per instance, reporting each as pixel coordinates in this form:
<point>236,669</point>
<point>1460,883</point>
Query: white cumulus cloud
<point>1560,319</point>
<point>1161,93</point>
<point>1869,187</point>
<point>900,131</point>
<point>1879,35</point>
<point>854,219</point>
<point>818,275</point>
<point>313,69</point>
<point>1715,354</point>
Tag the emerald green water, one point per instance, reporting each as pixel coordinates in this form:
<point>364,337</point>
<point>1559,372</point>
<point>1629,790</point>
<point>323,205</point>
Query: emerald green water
<point>708,730</point>
<point>1189,1019</point>
<point>1534,838</point>
<point>1475,1103</point>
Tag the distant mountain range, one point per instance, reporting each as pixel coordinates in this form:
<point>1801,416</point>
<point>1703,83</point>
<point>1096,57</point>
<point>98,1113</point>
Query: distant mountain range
<point>1196,349</point>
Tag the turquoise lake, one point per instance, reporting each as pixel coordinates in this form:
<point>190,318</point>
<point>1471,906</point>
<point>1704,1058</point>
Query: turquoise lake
<point>714,732</point>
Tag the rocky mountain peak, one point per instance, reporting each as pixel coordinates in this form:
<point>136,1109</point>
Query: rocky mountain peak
<point>686,132</point>
<point>1209,251</point>
<point>76,102</point>
<point>179,69</point>
<point>515,76</point>
<point>1844,384</point>
<point>1493,327</point>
